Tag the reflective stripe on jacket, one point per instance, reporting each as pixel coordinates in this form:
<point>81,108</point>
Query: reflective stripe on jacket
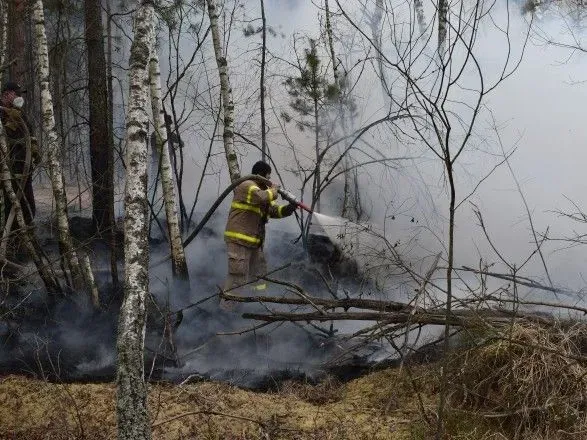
<point>250,208</point>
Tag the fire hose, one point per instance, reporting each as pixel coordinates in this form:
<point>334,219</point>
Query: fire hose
<point>287,196</point>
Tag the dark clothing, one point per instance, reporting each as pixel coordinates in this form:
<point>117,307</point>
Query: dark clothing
<point>18,129</point>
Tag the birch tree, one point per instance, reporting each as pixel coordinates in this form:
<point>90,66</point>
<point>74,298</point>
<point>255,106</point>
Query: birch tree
<point>375,24</point>
<point>421,17</point>
<point>131,402</point>
<point>178,261</point>
<point>68,252</point>
<point>442,26</point>
<point>226,93</point>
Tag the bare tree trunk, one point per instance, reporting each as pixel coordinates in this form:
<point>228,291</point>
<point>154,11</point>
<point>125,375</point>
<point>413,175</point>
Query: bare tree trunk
<point>226,92</point>
<point>3,36</point>
<point>442,25</point>
<point>348,177</point>
<point>262,83</point>
<point>179,265</point>
<point>53,147</point>
<point>113,241</point>
<point>3,46</point>
<point>44,269</point>
<point>317,177</point>
<point>448,313</point>
<point>376,36</point>
<point>419,7</point>
<point>101,148</point>
<point>131,403</point>
<point>16,40</point>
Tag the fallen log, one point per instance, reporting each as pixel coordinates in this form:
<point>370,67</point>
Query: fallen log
<point>345,303</point>
<point>386,312</point>
<point>457,318</point>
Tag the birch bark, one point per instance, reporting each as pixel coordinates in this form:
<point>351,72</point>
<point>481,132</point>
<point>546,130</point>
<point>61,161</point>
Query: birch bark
<point>226,92</point>
<point>68,252</point>
<point>420,16</point>
<point>377,42</point>
<point>178,260</point>
<point>131,401</point>
<point>442,25</point>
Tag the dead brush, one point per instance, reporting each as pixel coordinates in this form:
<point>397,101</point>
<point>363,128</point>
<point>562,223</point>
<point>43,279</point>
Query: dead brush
<point>329,390</point>
<point>532,380</point>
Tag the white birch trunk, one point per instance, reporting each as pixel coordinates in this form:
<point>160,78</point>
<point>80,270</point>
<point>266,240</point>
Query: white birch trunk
<point>419,8</point>
<point>50,281</point>
<point>375,25</point>
<point>226,92</point>
<point>53,143</point>
<point>442,26</point>
<point>178,260</point>
<point>131,401</point>
<point>90,280</point>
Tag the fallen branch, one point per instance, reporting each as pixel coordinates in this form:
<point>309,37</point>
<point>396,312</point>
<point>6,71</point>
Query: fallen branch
<point>346,303</point>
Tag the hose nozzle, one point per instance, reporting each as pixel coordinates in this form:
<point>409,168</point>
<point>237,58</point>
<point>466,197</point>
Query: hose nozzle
<point>286,195</point>
<point>289,197</point>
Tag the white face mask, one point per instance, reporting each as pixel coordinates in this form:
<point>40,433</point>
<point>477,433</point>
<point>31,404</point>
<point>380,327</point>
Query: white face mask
<point>18,102</point>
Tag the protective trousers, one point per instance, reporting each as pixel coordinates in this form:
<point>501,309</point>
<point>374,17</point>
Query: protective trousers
<point>245,265</point>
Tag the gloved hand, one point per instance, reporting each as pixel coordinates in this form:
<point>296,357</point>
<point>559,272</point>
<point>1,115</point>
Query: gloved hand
<point>288,210</point>
<point>275,187</point>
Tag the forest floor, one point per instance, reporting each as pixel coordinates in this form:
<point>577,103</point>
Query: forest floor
<point>527,383</point>
<point>381,405</point>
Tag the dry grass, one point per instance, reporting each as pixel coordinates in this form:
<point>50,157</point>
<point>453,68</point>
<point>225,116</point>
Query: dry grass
<point>379,406</point>
<point>525,383</point>
<point>529,380</point>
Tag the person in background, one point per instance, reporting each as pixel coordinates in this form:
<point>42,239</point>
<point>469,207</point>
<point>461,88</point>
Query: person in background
<point>252,205</point>
<point>20,137</point>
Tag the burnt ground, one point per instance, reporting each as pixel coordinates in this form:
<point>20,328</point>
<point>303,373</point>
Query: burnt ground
<point>66,339</point>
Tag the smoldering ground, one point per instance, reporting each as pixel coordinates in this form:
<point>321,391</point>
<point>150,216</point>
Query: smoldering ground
<point>76,342</point>
<point>71,341</point>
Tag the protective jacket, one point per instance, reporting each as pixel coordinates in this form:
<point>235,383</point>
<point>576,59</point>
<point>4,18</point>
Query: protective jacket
<point>18,129</point>
<point>249,212</point>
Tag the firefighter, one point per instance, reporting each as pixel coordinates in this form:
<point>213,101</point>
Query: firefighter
<point>252,205</point>
<point>18,132</point>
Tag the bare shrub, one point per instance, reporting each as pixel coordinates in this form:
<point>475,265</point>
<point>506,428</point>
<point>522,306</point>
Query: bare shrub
<point>531,379</point>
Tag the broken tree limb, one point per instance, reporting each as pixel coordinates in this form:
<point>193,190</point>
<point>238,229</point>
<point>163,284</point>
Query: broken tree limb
<point>528,282</point>
<point>388,318</point>
<point>346,303</point>
<point>464,318</point>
